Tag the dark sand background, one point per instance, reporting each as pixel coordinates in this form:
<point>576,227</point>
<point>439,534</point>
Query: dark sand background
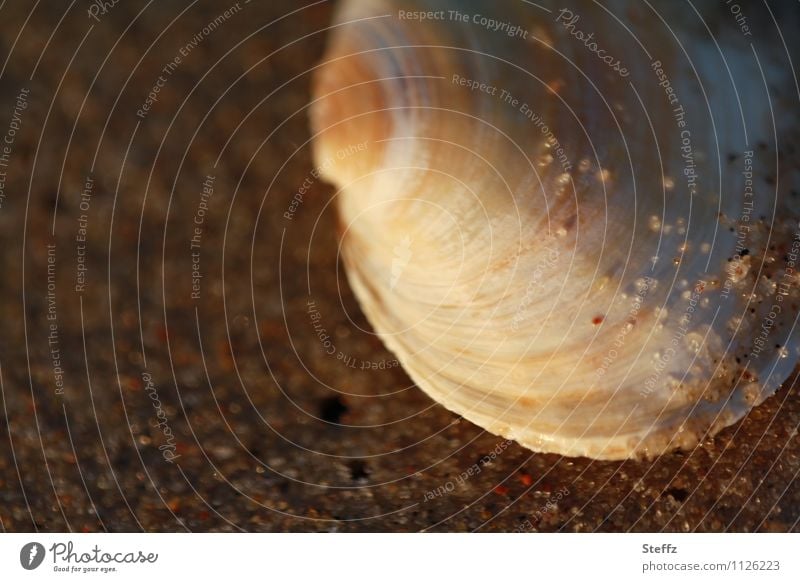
<point>270,433</point>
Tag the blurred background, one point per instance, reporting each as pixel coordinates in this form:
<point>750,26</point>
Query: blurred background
<point>180,349</point>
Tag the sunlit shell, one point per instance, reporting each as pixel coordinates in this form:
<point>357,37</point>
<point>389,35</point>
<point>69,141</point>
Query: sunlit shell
<point>586,255</point>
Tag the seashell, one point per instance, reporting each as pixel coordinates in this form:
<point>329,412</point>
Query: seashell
<point>581,243</point>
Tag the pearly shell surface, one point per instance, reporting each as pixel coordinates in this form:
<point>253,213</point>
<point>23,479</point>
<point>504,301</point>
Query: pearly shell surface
<point>591,253</point>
